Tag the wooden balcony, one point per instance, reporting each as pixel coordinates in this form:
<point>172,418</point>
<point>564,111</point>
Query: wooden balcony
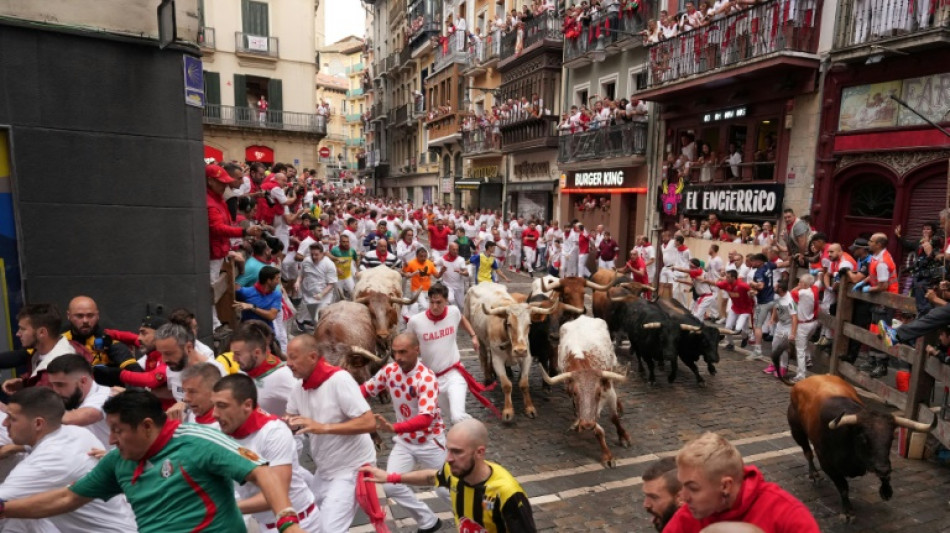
<point>529,133</point>
<point>445,129</point>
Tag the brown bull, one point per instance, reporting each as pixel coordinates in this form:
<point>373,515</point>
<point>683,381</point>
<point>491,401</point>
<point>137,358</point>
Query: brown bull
<point>380,290</point>
<point>570,292</point>
<point>350,324</point>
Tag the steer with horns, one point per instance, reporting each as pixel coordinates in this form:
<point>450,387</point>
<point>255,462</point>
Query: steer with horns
<point>589,369</point>
<point>501,324</point>
<point>380,290</point>
<point>849,439</point>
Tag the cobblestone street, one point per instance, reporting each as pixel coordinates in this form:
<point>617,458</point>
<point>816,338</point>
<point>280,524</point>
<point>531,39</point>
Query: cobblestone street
<point>570,491</point>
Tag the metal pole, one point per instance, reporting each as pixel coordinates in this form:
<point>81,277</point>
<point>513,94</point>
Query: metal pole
<point>925,119</point>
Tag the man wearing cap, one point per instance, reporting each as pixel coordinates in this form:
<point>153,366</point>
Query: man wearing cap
<point>861,316</point>
<point>220,225</point>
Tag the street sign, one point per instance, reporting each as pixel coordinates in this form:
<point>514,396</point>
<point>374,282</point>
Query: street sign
<point>325,152</point>
<point>296,162</point>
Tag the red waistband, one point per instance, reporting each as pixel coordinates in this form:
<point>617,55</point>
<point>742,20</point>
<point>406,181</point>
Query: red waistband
<point>301,515</point>
<point>474,386</point>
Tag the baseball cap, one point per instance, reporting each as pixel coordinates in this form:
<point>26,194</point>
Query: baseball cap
<point>218,173</point>
<point>859,243</point>
<point>154,321</point>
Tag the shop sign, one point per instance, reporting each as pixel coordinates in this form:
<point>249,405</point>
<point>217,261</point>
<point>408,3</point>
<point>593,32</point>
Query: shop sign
<point>447,184</point>
<point>724,114</point>
<point>734,201</point>
<point>527,170</point>
<point>483,172</point>
<point>605,178</point>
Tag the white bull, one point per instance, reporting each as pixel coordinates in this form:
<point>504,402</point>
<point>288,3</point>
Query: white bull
<point>501,325</point>
<point>588,364</point>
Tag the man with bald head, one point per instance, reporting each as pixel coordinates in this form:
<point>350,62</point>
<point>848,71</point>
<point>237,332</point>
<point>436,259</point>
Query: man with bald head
<point>485,497</point>
<point>419,432</point>
<point>327,403</point>
<point>84,330</point>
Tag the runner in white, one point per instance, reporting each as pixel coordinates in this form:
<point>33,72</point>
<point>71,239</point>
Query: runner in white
<point>273,378</point>
<point>70,376</point>
<point>236,411</point>
<point>453,271</point>
<point>198,383</point>
<point>59,457</point>
<point>437,331</point>
<point>803,325</point>
<point>420,434</point>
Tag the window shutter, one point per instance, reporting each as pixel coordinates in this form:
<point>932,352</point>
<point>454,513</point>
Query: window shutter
<point>212,87</point>
<point>241,112</point>
<point>255,18</point>
<point>275,97</point>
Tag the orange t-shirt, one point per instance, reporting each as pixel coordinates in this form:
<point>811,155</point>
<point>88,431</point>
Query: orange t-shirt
<point>422,281</point>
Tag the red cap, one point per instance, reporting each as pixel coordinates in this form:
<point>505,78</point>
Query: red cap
<point>218,173</point>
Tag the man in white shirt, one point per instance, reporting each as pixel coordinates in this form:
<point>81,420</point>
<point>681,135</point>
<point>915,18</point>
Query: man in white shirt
<point>251,347</point>
<point>38,329</point>
<point>317,279</point>
<point>176,344</point>
<point>437,331</point>
<point>716,271</point>
<point>70,376</point>
<point>804,323</point>
<point>515,229</point>
<point>60,455</point>
<point>569,252</point>
<point>198,382</point>
<point>681,256</point>
<point>236,411</point>
<point>453,271</point>
<point>646,251</point>
<point>327,403</point>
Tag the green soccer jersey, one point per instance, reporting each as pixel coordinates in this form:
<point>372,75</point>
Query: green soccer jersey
<point>187,485</point>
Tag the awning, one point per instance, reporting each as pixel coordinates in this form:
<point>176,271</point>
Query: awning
<point>262,154</point>
<point>470,185</point>
<point>214,153</point>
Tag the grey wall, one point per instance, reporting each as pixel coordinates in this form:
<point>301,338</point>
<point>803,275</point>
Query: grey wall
<point>107,167</point>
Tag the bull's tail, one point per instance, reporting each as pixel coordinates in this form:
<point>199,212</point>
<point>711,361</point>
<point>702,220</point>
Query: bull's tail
<point>777,365</point>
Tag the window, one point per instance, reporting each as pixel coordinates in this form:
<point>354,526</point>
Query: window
<point>637,81</point>
<point>608,87</point>
<point>255,18</point>
<point>581,94</point>
<point>873,199</point>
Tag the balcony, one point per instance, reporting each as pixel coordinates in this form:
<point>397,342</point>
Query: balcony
<point>770,37</point>
<point>901,25</point>
<point>354,93</point>
<point>484,54</point>
<point>206,38</point>
<point>759,171</point>
<point>397,11</point>
<point>355,69</point>
<point>451,49</point>
<point>480,141</point>
<point>256,45</point>
<point>390,64</point>
<point>543,31</point>
<point>597,36</point>
<point>359,141</point>
<point>352,118</point>
<point>424,17</point>
<point>399,116</point>
<point>622,140</point>
<point>444,129</point>
<point>244,117</point>
<point>376,112</point>
<point>405,57</point>
<point>529,133</point>
<point>418,108</point>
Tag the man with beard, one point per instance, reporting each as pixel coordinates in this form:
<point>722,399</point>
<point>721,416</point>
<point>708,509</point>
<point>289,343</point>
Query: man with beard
<point>660,491</point>
<point>38,327</point>
<point>472,481</point>
<point>274,380</point>
<point>70,376</point>
<point>84,329</point>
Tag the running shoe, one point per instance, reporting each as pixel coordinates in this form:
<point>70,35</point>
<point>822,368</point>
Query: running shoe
<point>769,370</point>
<point>887,333</point>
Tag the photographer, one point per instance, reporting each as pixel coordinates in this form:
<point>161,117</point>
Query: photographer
<point>925,268</point>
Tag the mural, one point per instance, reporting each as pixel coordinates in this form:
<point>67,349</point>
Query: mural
<point>869,106</point>
<point>930,95</point>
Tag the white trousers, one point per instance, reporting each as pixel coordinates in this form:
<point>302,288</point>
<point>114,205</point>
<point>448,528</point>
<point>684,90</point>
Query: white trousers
<point>606,264</point>
<point>582,270</point>
<point>310,524</point>
<point>336,499</point>
<point>346,286</point>
<point>801,344</point>
<point>781,343</point>
<point>456,294</point>
<point>406,457</point>
<point>568,265</point>
<point>215,269</point>
<point>452,393</point>
<point>738,322</point>
<point>530,256</point>
<point>681,292</point>
<point>436,255</point>
<point>703,304</point>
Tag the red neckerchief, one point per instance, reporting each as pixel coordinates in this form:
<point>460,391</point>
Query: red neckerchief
<point>788,227</point>
<point>382,256</point>
<point>450,258</point>
<point>436,318</point>
<point>207,418</point>
<point>261,289</point>
<point>266,365</point>
<point>164,435</point>
<point>321,373</point>
<point>682,248</point>
<point>257,419</point>
<point>646,244</point>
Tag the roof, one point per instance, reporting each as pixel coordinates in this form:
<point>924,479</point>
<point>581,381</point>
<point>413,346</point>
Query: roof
<point>350,43</point>
<point>332,82</point>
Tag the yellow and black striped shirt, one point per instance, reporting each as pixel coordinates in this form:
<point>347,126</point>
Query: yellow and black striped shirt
<point>498,505</point>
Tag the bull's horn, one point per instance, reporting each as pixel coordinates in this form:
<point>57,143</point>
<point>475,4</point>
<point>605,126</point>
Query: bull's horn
<point>590,284</point>
<point>652,325</point>
<point>916,426</point>
<point>362,299</point>
<point>625,298</point>
<point>497,311</point>
<point>725,331</point>
<point>613,376</point>
<point>554,286</point>
<point>356,350</point>
<point>398,300</point>
<point>689,328</point>
<point>843,420</point>
<point>556,379</point>
<point>572,309</point>
<point>541,310</point>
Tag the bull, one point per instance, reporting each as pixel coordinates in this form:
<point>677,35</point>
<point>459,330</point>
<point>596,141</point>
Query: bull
<point>586,355</point>
<point>650,331</point>
<point>350,324</point>
<point>380,290</point>
<point>849,439</point>
<point>539,334</point>
<point>569,291</point>
<point>501,325</point>
<point>694,339</point>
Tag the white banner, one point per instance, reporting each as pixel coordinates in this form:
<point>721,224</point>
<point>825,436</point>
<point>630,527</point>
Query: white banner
<point>257,43</point>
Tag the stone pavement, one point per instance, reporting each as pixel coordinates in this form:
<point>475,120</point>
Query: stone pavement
<point>570,491</point>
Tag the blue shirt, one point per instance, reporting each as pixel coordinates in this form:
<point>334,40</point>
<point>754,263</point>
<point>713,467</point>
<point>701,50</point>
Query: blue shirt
<point>252,269</point>
<point>764,274</point>
<point>250,295</point>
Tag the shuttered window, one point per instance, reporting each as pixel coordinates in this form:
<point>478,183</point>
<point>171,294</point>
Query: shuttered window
<point>255,18</point>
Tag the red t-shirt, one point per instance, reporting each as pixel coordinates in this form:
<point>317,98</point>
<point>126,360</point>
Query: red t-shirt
<point>439,240</point>
<point>531,242</point>
<point>639,264</point>
<point>760,503</point>
<point>741,303</point>
<point>583,244</point>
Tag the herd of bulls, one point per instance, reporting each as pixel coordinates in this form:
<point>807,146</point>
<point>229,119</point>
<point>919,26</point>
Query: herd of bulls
<point>826,416</point>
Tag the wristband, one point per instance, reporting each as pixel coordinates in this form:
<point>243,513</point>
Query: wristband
<point>287,522</point>
<point>394,477</point>
<point>287,512</point>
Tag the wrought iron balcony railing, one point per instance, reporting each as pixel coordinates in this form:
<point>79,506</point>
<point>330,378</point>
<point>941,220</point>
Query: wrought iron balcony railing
<point>452,49</point>
<point>621,140</point>
<point>863,22</point>
<point>424,16</point>
<point>255,44</point>
<point>245,117</point>
<point>206,37</point>
<point>599,31</point>
<point>759,31</point>
<point>539,28</point>
<point>480,140</point>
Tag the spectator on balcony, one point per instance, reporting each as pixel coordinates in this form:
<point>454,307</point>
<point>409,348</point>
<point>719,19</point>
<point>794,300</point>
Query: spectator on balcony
<point>262,106</point>
<point>612,7</point>
<point>733,159</point>
<point>706,161</point>
<point>636,109</point>
<point>652,34</point>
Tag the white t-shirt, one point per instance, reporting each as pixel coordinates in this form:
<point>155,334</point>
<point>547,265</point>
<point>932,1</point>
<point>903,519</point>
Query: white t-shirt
<point>453,269</point>
<point>173,379</point>
<point>192,418</point>
<point>62,457</point>
<point>315,278</point>
<point>714,266</point>
<point>337,400</point>
<point>8,463</point>
<point>438,349</point>
<point>807,306</point>
<point>414,393</point>
<point>273,389</point>
<point>275,443</point>
<point>95,399</point>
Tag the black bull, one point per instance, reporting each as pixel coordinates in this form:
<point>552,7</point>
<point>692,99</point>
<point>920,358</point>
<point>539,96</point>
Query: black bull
<point>662,330</point>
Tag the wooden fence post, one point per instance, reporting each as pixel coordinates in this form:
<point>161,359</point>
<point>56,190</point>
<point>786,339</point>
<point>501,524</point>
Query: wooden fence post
<point>843,313</point>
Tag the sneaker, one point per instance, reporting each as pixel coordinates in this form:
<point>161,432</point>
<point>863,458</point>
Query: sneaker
<point>823,341</point>
<point>721,321</point>
<point>887,333</point>
<point>798,377</point>
<point>433,529</point>
<point>769,370</point>
<point>783,372</point>
<point>752,357</point>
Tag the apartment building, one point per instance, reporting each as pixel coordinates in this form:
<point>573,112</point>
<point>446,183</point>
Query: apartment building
<point>332,150</point>
<point>260,65</point>
<point>342,62</point>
